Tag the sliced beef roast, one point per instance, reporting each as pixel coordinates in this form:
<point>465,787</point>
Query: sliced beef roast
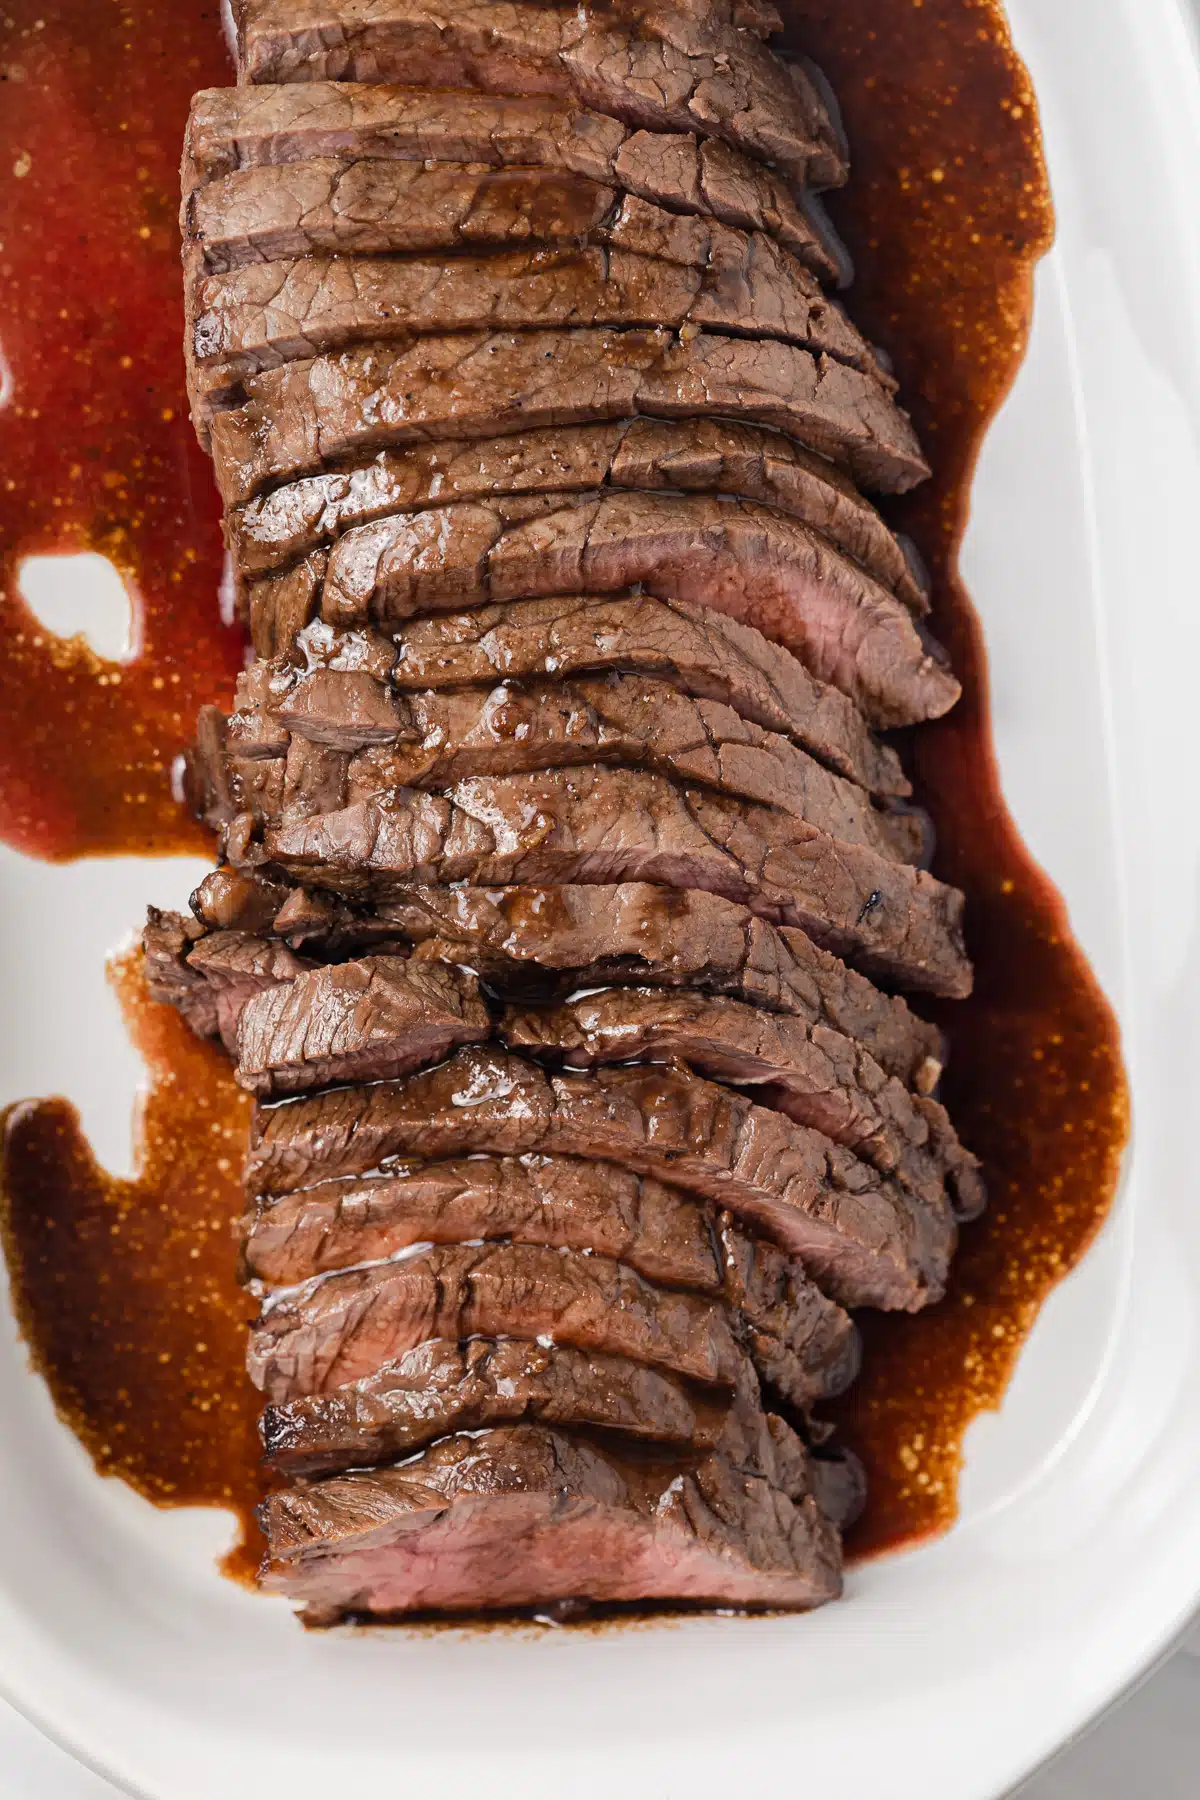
<point>233,966</point>
<point>541,446</point>
<point>565,1204</point>
<point>802,1347</point>
<point>358,1021</point>
<point>247,127</point>
<point>439,1532</point>
<point>432,740</point>
<point>381,1017</point>
<point>867,1239</point>
<point>544,942</point>
<point>562,938</point>
<point>699,455</point>
<point>329,207</point>
<point>275,312</point>
<point>597,825</point>
<point>718,456</point>
<point>703,653</point>
<point>801,1342</point>
<point>280,607</point>
<point>378,212</point>
<point>798,1342</point>
<point>813,1074</point>
<point>668,72</point>
<point>343,1326</point>
<point>732,556</point>
<point>167,940</point>
<point>481,385</point>
<point>444,1386</point>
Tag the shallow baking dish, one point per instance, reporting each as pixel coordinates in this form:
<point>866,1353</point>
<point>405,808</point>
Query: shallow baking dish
<point>951,1671</point>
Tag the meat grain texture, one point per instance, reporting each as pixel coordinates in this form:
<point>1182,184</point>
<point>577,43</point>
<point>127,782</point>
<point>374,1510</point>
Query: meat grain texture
<point>570,888</point>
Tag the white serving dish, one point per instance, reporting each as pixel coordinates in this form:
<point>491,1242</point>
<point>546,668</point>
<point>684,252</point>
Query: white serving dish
<point>949,1673</point>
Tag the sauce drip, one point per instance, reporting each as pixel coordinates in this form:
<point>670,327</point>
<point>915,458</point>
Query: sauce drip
<point>946,215</point>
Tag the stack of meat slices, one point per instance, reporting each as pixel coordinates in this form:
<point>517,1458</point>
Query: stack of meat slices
<point>567,887</point>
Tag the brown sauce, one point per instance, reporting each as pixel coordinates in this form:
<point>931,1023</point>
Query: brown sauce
<point>138,1323</point>
<point>97,452</point>
<point>947,213</point>
<point>126,1289</point>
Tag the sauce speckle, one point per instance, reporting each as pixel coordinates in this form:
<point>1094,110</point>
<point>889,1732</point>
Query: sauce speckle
<point>138,1325</point>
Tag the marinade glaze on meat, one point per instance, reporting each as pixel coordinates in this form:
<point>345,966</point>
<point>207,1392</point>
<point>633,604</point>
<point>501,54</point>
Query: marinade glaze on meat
<point>309,985</point>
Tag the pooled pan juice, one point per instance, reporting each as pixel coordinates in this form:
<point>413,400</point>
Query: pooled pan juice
<point>128,1292</point>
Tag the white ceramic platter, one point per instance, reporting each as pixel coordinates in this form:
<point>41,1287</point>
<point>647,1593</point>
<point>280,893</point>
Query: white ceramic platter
<point>948,1674</point>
